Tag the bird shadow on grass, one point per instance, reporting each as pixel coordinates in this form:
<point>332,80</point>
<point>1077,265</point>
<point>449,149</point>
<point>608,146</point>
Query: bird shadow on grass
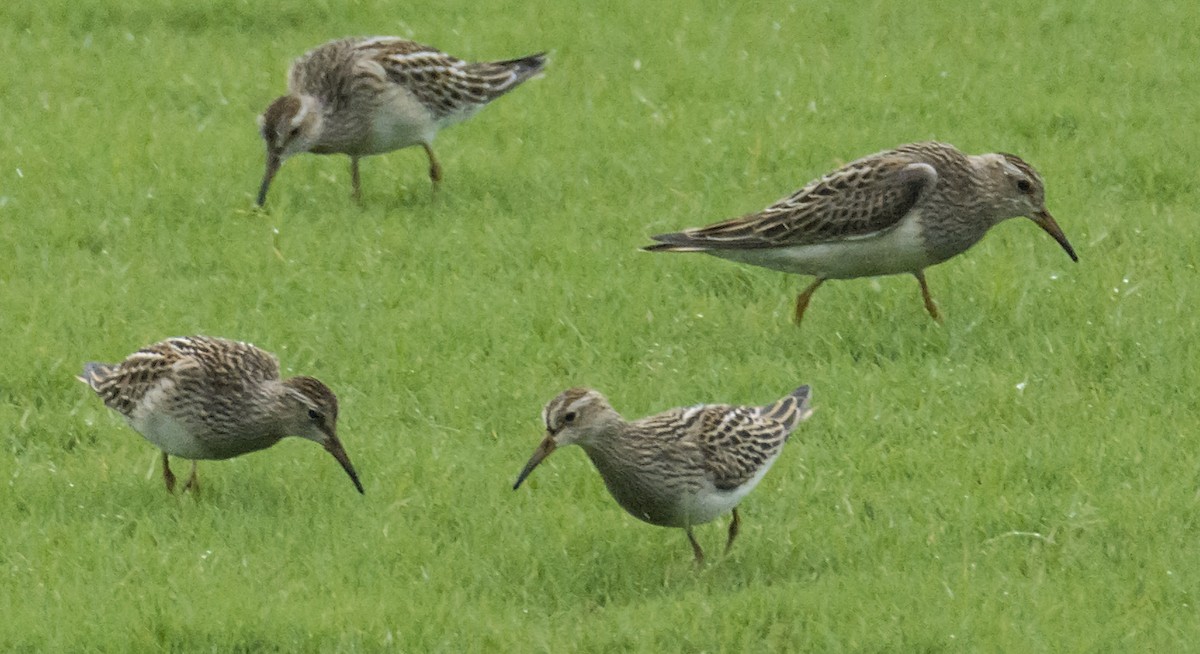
<point>872,340</point>
<point>620,571</point>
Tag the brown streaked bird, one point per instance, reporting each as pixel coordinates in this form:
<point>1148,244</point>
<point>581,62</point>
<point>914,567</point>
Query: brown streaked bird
<point>363,96</point>
<point>897,211</point>
<point>680,468</point>
<point>199,397</point>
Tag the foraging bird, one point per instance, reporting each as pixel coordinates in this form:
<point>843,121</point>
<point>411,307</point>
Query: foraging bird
<point>363,96</point>
<point>898,211</point>
<point>211,398</point>
<point>680,468</point>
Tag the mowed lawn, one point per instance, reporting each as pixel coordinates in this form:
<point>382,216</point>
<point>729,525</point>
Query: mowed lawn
<point>1024,477</point>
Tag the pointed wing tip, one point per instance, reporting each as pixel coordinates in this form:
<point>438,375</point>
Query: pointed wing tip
<point>531,64</point>
<point>674,242</point>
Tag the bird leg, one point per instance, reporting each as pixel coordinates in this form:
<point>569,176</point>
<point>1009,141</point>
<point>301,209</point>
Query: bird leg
<point>193,482</point>
<point>695,546</point>
<point>803,298</point>
<point>435,168</point>
<point>354,180</point>
<point>168,476</point>
<point>929,305</point>
<point>733,530</point>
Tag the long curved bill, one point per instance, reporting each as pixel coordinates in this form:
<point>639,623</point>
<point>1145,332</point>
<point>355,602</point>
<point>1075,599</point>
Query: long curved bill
<point>334,447</point>
<point>543,450</point>
<point>1046,222</point>
<point>273,163</point>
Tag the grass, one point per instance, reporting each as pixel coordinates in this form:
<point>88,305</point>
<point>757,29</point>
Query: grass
<point>1021,478</point>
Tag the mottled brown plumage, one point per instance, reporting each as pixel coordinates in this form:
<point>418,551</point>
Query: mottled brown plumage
<point>897,211</point>
<point>210,398</point>
<point>363,96</point>
<point>679,468</point>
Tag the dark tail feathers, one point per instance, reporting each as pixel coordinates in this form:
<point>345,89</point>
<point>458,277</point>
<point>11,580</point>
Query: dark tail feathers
<point>525,67</point>
<point>500,77</point>
<point>792,409</point>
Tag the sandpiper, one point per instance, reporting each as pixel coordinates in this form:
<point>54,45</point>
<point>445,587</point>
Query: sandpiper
<point>897,211</point>
<point>210,398</point>
<point>363,96</point>
<point>680,468</point>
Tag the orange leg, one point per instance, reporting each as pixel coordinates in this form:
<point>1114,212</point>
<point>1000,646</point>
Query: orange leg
<point>803,298</point>
<point>929,305</point>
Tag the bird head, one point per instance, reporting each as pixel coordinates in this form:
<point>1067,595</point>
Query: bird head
<point>291,124</point>
<point>313,412</point>
<point>577,416</point>
<point>1022,191</point>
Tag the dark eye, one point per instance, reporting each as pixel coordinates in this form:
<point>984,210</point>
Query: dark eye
<point>315,416</point>
<point>1024,186</point>
<point>569,417</point>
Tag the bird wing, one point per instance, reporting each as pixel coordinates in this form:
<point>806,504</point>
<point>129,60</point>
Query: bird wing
<point>443,83</point>
<point>220,359</point>
<point>862,199</point>
<point>201,361</point>
<point>122,386</point>
<point>731,443</point>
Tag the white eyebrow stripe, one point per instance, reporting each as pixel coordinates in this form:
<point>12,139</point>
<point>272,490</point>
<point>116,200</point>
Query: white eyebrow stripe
<point>579,404</point>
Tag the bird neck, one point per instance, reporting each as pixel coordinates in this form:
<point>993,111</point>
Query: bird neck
<point>269,416</point>
<point>967,217</point>
<point>634,475</point>
<point>605,436</point>
<point>612,448</point>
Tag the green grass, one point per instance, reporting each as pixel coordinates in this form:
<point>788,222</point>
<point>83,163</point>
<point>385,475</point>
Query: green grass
<point>1021,478</point>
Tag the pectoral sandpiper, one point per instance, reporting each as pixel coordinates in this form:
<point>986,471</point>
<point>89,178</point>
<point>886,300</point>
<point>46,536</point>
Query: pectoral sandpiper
<point>680,468</point>
<point>210,398</point>
<point>363,96</point>
<point>898,211</point>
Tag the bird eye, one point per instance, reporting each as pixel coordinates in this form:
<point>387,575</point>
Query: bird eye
<point>314,415</point>
<point>1024,186</point>
<point>569,417</point>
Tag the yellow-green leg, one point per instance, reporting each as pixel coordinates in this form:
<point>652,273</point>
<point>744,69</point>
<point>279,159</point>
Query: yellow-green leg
<point>168,476</point>
<point>695,546</point>
<point>193,482</point>
<point>355,183</point>
<point>435,168</point>
<point>733,530</point>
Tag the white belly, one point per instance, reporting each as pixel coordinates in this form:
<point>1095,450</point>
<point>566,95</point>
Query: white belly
<point>712,502</point>
<point>401,121</point>
<point>166,432</point>
<point>170,436</point>
<point>900,250</point>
